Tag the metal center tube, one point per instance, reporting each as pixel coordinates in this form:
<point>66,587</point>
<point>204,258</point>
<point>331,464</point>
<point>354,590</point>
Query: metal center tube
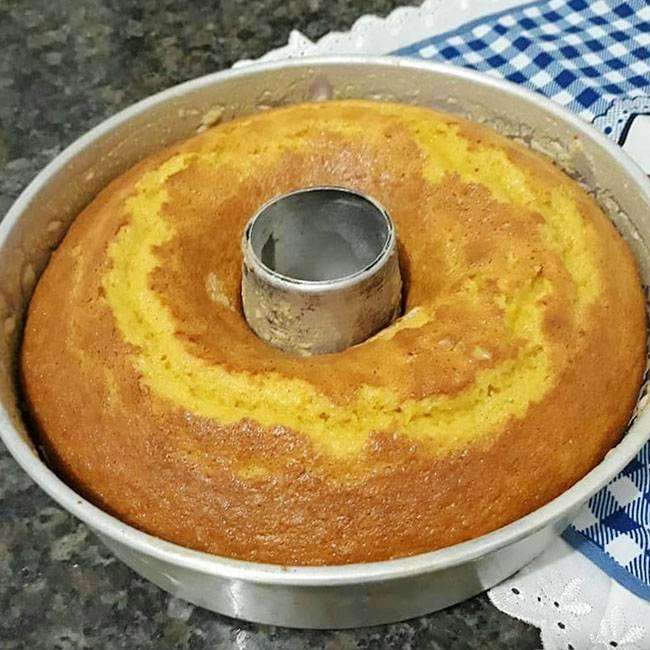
<point>320,270</point>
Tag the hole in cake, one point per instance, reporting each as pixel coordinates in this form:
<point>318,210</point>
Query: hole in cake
<point>319,235</point>
<point>320,270</point>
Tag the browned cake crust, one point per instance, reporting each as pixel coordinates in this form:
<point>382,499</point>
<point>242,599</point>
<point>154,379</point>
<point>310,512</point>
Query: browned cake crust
<point>514,370</point>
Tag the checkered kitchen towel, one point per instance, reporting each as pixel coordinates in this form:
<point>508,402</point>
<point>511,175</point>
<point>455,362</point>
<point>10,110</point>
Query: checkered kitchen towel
<point>594,59</point>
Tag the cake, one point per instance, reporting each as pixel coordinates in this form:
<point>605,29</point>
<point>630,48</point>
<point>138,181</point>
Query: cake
<point>513,370</point>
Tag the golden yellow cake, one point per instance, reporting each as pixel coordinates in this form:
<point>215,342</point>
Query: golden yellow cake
<point>513,370</point>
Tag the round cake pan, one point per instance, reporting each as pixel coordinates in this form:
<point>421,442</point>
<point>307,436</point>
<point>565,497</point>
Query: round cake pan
<point>328,596</point>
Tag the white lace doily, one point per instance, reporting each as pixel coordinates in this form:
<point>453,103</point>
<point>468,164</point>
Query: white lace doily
<point>373,35</point>
<point>575,604</point>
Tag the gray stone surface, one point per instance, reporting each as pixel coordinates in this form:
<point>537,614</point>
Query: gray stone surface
<point>65,65</point>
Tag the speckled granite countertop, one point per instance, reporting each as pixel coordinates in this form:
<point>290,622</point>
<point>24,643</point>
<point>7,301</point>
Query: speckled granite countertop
<point>66,65</point>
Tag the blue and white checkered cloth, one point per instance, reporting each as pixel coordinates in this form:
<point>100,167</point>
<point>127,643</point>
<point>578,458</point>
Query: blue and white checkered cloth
<point>581,54</point>
<point>594,59</point>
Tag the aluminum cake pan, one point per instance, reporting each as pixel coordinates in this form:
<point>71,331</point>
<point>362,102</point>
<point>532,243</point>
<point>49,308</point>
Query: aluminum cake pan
<point>330,596</point>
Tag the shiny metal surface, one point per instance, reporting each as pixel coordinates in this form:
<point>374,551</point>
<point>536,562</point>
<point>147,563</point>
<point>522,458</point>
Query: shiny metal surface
<point>320,270</point>
<point>336,596</point>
